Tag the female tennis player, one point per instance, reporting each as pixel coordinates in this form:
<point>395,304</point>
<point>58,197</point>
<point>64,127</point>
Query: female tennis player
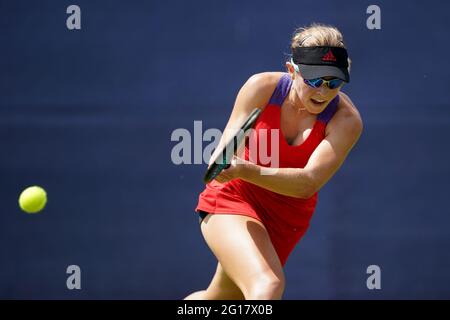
<point>252,221</point>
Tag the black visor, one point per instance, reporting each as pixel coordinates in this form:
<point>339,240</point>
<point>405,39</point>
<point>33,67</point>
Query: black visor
<point>322,61</point>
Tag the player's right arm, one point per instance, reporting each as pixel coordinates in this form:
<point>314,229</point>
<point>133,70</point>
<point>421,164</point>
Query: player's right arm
<point>255,93</point>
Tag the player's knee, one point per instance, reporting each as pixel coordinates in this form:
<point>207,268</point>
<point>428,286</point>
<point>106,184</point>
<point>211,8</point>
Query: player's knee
<point>266,288</point>
<point>224,293</point>
<point>199,295</point>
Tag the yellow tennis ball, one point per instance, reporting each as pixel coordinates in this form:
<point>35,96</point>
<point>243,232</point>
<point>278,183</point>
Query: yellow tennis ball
<point>33,199</point>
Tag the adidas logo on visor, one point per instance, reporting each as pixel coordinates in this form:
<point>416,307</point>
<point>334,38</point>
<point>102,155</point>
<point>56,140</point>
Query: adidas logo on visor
<point>329,56</point>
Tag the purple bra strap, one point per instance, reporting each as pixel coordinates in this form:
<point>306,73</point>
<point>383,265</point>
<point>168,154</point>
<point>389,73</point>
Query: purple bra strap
<point>282,90</point>
<point>329,111</point>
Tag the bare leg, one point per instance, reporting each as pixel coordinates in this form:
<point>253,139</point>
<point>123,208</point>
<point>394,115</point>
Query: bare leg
<point>246,254</point>
<point>220,288</point>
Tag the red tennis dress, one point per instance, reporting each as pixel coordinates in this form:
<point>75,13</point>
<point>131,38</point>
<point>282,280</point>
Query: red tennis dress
<point>285,218</point>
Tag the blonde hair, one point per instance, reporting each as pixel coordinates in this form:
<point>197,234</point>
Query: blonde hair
<point>318,35</point>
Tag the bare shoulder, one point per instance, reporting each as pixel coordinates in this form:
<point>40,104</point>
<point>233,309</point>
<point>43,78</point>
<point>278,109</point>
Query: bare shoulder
<point>265,80</point>
<point>259,87</point>
<point>255,93</point>
<point>347,118</point>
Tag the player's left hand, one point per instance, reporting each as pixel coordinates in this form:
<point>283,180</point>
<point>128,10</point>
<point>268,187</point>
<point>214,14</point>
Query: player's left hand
<point>234,170</point>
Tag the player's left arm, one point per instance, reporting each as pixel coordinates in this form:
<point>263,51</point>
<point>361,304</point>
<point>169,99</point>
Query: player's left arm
<point>343,131</point>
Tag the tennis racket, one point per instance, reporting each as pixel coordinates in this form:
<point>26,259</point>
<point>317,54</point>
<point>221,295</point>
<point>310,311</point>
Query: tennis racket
<point>222,161</point>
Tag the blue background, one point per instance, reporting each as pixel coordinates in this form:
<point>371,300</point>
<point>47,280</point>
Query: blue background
<point>88,115</point>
